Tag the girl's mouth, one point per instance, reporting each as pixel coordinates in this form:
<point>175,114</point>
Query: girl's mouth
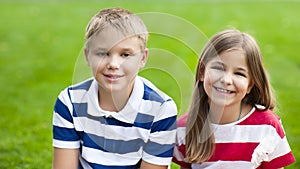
<point>223,90</point>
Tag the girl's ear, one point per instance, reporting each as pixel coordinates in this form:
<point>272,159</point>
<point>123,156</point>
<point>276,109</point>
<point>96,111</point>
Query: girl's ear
<point>251,84</point>
<point>201,75</point>
<point>144,58</point>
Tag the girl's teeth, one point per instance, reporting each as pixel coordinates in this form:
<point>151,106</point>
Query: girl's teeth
<point>223,90</point>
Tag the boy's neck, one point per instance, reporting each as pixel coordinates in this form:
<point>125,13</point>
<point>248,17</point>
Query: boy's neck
<point>113,102</point>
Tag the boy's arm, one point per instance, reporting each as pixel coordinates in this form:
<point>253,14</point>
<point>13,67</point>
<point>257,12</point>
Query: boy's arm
<point>65,158</point>
<point>146,165</point>
<point>158,150</point>
<point>65,138</point>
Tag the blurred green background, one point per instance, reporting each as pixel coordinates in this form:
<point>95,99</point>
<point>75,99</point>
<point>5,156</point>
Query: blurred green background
<point>41,50</point>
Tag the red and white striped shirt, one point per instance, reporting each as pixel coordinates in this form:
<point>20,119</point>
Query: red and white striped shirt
<point>256,141</point>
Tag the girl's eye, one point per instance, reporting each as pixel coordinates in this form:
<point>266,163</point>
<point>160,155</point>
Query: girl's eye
<point>240,74</point>
<point>218,67</point>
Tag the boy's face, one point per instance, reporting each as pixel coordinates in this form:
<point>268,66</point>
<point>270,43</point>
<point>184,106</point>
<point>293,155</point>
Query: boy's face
<point>115,60</point>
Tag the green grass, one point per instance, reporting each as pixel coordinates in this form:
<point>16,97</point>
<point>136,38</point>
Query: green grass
<point>40,43</point>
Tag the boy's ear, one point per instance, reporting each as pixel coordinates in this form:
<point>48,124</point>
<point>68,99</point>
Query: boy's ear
<point>86,52</point>
<point>144,58</point>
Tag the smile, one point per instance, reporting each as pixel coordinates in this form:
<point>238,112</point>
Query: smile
<point>223,90</point>
<point>112,77</point>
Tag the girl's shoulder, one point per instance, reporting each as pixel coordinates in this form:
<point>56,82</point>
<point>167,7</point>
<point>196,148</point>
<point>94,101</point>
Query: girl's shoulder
<point>181,121</point>
<point>261,116</point>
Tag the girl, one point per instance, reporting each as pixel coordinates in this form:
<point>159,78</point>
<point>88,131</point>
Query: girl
<point>230,123</point>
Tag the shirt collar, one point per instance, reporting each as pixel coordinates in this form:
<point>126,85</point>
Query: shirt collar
<point>128,113</point>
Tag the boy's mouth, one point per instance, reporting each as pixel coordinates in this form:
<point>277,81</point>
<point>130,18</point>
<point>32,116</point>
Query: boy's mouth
<point>112,77</point>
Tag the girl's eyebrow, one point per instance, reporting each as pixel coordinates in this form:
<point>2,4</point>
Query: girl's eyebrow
<point>222,64</point>
<point>242,69</point>
<point>218,62</point>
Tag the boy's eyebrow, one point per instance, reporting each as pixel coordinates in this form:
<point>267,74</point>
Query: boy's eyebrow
<point>131,49</point>
<point>100,49</point>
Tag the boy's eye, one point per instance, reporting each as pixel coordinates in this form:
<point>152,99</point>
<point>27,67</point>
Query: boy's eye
<point>102,54</point>
<point>126,54</point>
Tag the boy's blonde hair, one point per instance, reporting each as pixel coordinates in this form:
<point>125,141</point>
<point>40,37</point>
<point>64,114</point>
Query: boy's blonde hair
<point>123,21</point>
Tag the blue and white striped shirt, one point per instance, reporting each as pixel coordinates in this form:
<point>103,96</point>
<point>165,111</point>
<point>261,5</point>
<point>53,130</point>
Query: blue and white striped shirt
<point>145,129</point>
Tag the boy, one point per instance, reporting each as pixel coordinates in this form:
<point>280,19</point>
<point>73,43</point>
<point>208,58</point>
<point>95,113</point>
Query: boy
<point>115,119</point>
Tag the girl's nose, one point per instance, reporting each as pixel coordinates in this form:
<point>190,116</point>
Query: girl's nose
<point>227,78</point>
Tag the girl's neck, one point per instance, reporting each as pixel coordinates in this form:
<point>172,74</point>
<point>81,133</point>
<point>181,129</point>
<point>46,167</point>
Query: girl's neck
<point>228,114</point>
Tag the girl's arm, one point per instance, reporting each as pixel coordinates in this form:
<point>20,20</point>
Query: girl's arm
<point>65,158</point>
<point>146,165</point>
<point>184,168</point>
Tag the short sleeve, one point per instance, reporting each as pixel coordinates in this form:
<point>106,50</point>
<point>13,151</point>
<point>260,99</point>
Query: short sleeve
<point>274,150</point>
<point>160,145</point>
<point>64,133</point>
<point>179,149</point>
<point>282,155</point>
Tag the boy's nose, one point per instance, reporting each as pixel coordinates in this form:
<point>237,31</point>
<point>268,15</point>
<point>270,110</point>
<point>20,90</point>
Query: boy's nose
<point>113,62</point>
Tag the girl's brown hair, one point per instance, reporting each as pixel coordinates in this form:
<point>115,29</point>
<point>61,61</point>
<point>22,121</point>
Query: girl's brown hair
<point>200,141</point>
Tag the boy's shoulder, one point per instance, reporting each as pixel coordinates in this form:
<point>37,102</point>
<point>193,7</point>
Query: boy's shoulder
<point>153,101</point>
<point>80,86</point>
<point>152,93</point>
<point>83,85</point>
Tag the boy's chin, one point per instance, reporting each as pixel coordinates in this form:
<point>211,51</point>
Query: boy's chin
<point>116,89</point>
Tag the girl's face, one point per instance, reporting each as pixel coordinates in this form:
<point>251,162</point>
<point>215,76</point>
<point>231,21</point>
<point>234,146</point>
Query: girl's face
<point>226,78</point>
